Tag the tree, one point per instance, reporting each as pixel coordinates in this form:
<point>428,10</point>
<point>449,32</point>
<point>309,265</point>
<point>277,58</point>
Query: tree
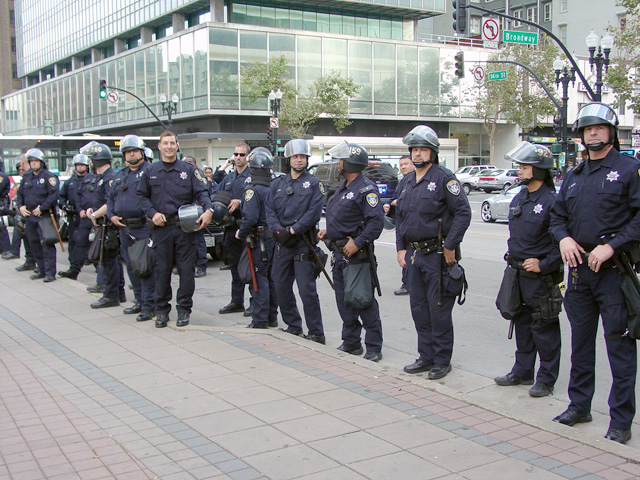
<point>328,95</point>
<point>622,76</point>
<point>519,98</point>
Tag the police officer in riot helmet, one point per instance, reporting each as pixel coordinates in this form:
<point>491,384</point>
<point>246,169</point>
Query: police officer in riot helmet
<point>534,263</point>
<point>254,232</point>
<point>293,211</point>
<point>148,154</point>
<point>37,197</point>
<point>68,203</point>
<point>354,221</point>
<point>5,187</point>
<point>432,215</point>
<point>596,220</point>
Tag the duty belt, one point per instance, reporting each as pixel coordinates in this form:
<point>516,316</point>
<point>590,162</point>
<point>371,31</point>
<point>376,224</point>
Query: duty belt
<point>425,247</point>
<point>134,222</point>
<point>174,220</point>
<point>585,260</point>
<point>337,246</point>
<point>519,265</point>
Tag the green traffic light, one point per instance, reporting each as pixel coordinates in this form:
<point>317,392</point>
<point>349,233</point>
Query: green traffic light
<point>103,93</point>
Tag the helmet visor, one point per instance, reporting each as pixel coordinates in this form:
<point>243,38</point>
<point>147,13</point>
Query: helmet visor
<point>523,153</point>
<point>86,150</point>
<point>598,110</point>
<point>297,146</point>
<point>340,150</point>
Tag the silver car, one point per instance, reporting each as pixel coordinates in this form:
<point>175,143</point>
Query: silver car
<point>497,207</point>
<point>497,180</point>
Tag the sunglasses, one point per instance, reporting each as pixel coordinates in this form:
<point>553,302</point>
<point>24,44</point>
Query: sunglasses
<point>240,154</point>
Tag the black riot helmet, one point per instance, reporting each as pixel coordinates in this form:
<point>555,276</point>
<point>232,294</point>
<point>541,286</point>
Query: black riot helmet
<point>423,136</point>
<point>99,153</point>
<point>538,156</point>
<point>297,146</point>
<point>355,156</point>
<point>260,164</point>
<point>597,113</point>
<point>80,159</point>
<point>36,154</point>
<point>220,215</point>
<point>132,142</point>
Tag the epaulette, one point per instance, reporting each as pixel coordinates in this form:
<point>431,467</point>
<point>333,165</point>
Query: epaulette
<point>366,189</point>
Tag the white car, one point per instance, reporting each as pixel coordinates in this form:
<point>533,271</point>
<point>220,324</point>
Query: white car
<point>496,207</point>
<point>463,173</point>
<point>497,180</point>
<point>471,182</point>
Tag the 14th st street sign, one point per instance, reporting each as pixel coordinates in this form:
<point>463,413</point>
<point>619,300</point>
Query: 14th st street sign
<point>527,38</point>
<point>500,75</point>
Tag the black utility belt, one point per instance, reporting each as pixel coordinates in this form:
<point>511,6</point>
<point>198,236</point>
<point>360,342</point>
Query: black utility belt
<point>425,247</point>
<point>337,245</point>
<point>174,220</point>
<point>608,264</point>
<point>303,257</point>
<point>134,222</point>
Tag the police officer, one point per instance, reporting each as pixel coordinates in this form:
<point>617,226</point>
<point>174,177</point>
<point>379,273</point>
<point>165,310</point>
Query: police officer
<point>164,188</point>
<point>354,221</point>
<point>113,294</point>
<point>69,204</point>
<point>536,258</point>
<point>201,244</point>
<point>38,195</point>
<point>18,237</point>
<point>254,232</point>
<point>294,209</point>
<point>431,196</point>
<point>123,209</point>
<point>596,216</point>
<point>5,187</point>
<point>235,183</point>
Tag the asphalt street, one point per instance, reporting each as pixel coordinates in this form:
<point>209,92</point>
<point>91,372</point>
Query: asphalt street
<point>481,349</point>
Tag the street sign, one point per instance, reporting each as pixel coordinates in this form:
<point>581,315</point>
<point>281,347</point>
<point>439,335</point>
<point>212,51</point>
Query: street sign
<point>490,29</point>
<point>48,127</point>
<point>528,38</point>
<point>273,122</point>
<point>501,75</point>
<point>478,73</point>
<point>113,97</point>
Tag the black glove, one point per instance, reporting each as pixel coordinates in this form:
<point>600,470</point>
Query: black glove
<point>282,235</point>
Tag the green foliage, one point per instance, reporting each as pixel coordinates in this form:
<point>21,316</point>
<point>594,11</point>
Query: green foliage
<point>328,95</point>
<point>519,98</point>
<point>622,76</point>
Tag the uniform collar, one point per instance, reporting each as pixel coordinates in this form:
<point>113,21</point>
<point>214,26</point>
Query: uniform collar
<point>606,161</point>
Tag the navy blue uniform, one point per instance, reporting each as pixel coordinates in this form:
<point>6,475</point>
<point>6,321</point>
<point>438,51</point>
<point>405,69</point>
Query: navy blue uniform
<point>84,199</point>
<point>296,203</point>
<point>164,188</point>
<point>437,195</point>
<point>234,183</point>
<point>349,207</point>
<point>111,273</point>
<point>5,186</point>
<point>600,198</point>
<point>254,224</point>
<point>68,203</point>
<point>530,238</point>
<point>41,190</point>
<point>122,201</point>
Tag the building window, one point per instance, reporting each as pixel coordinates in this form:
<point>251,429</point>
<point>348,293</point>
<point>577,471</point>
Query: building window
<point>532,14</point>
<point>518,14</point>
<point>474,27</point>
<point>622,22</point>
<point>563,5</point>
<point>14,70</point>
<point>12,18</point>
<point>562,30</point>
<point>13,44</point>
<point>547,12</point>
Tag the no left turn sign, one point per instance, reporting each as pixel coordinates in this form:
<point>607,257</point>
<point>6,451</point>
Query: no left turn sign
<point>478,73</point>
<point>490,29</point>
<point>113,97</point>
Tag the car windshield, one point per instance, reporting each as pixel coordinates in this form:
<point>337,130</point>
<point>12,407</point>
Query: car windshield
<point>380,172</point>
<point>494,173</point>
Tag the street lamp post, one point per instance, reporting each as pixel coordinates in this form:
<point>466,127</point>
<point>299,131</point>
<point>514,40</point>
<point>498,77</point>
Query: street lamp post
<point>274,106</point>
<point>564,76</point>
<point>53,117</point>
<point>600,59</point>
<point>169,107</point>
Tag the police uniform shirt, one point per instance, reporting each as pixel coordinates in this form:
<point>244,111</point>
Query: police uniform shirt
<point>437,195</point>
<point>165,187</point>
<point>253,208</point>
<point>599,198</point>
<point>103,184</point>
<point>235,183</point>
<point>69,191</point>
<point>42,189</point>
<point>295,203</point>
<point>5,187</point>
<point>529,235</point>
<point>85,191</point>
<point>123,199</point>
<point>349,206</point>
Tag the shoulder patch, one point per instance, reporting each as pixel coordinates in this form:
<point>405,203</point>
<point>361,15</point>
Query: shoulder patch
<point>199,177</point>
<point>639,172</point>
<point>454,187</point>
<point>372,199</point>
<point>53,181</point>
<point>324,190</point>
<point>248,194</point>
<point>366,189</point>
<point>110,183</point>
<point>1,179</point>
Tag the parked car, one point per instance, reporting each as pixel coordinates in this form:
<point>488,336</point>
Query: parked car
<point>463,172</point>
<point>471,182</point>
<point>496,207</point>
<point>380,173</point>
<point>497,180</point>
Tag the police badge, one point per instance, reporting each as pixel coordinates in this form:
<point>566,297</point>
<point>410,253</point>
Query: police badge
<point>454,187</point>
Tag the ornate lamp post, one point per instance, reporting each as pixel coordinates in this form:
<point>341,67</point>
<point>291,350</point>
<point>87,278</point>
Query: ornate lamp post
<point>274,106</point>
<point>564,76</point>
<point>48,128</point>
<point>600,59</point>
<point>169,107</point>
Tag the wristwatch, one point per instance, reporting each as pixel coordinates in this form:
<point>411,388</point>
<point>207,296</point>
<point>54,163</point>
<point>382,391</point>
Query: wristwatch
<point>93,215</point>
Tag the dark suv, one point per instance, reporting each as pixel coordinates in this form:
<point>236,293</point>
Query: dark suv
<point>380,173</point>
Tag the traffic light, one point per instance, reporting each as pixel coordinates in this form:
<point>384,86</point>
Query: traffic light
<point>269,136</point>
<point>460,9</point>
<point>103,88</point>
<point>459,58</point>
<point>557,126</point>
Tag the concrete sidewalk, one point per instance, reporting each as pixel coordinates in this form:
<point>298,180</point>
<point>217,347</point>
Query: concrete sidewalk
<point>89,394</point>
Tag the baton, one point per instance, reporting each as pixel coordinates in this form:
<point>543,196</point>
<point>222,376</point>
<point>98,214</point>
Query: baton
<point>440,255</point>
<point>253,270</point>
<point>317,259</point>
<point>55,226</point>
<point>510,335</point>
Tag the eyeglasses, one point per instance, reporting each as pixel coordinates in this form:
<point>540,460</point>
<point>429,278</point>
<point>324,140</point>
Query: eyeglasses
<point>240,154</point>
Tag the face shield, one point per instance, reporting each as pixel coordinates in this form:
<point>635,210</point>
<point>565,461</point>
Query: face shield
<point>340,150</point>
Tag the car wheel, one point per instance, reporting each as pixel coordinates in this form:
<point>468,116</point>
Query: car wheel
<point>466,188</point>
<point>506,185</point>
<point>485,213</point>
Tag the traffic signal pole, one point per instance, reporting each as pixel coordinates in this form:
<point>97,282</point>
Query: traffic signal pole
<point>141,101</point>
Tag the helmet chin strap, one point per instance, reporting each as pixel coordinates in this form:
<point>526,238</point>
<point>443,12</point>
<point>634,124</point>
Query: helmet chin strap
<point>424,163</point>
<point>135,161</point>
<point>526,181</point>
<point>597,146</point>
